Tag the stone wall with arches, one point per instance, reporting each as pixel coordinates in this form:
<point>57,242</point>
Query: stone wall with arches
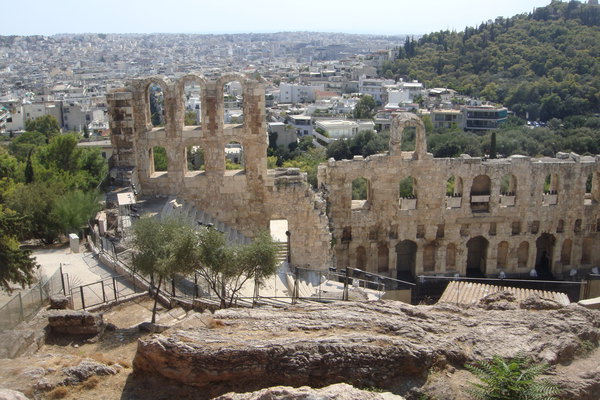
<point>246,198</point>
<point>421,215</point>
<point>469,216</point>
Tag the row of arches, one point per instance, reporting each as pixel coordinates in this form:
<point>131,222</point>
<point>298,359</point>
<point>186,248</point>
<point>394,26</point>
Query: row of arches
<point>195,159</point>
<point>185,101</point>
<point>507,258</point>
<point>480,191</point>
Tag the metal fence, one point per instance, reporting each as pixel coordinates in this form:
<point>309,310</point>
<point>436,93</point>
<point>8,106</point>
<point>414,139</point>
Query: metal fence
<point>101,292</point>
<point>25,304</point>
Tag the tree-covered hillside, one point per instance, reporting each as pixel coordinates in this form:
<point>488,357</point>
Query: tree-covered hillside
<point>544,64</point>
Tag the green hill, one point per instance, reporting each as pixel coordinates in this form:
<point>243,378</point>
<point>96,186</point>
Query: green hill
<point>544,64</point>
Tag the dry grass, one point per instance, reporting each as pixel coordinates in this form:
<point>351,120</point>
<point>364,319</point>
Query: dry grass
<point>90,383</point>
<point>101,358</point>
<point>212,323</point>
<point>124,363</point>
<point>59,392</point>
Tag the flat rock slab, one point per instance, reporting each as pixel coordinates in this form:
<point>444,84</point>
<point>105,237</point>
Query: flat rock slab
<point>383,344</point>
<point>340,391</point>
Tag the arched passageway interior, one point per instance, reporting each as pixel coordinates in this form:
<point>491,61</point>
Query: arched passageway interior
<point>543,258</point>
<point>477,256</point>
<point>406,254</point>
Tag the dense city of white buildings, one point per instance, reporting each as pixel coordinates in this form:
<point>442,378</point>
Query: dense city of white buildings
<point>314,80</point>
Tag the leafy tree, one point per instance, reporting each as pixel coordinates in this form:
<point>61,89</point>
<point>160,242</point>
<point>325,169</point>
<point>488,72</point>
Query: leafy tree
<point>24,144</point>
<point>29,174</point>
<point>35,202</point>
<point>8,164</point>
<point>163,248</point>
<point>16,264</point>
<point>513,379</point>
<point>227,269</point>
<point>308,162</point>
<point>365,107</point>
<point>339,150</point>
<point>160,158</point>
<point>74,209</point>
<point>189,118</point>
<point>62,153</point>
<point>47,125</point>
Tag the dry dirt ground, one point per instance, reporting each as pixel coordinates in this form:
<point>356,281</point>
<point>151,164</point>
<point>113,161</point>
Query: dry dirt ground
<point>35,374</point>
<point>30,373</point>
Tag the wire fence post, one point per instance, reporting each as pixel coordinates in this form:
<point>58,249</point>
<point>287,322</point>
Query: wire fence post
<point>62,280</point>
<point>115,287</point>
<point>103,292</point>
<point>82,299</point>
<point>21,313</point>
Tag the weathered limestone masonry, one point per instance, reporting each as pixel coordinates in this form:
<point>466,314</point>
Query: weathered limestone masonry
<point>243,199</point>
<point>502,216</point>
<point>510,215</point>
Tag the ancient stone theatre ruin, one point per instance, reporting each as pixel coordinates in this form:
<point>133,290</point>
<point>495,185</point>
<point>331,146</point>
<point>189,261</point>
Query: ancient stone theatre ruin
<point>421,215</point>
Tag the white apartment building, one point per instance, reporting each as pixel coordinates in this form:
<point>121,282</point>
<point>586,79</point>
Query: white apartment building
<point>337,128</point>
<point>294,93</point>
<point>376,88</point>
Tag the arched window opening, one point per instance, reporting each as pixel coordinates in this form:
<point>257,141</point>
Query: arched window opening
<point>550,190</point>
<point>587,248</point>
<point>592,189</point>
<point>451,256</point>
<point>234,156</point>
<point>160,161</point>
<point>454,192</point>
<point>383,255</point>
<point>543,258</point>
<point>480,194</point>
<point>194,159</point>
<point>360,193</point>
<point>565,253</point>
<point>522,254</point>
<point>508,190</point>
<point>192,104</point>
<point>361,258</point>
<point>477,248</point>
<point>560,227</point>
<point>502,256</point>
<point>577,227</point>
<point>429,258</point>
<point>233,103</point>
<point>406,254</point>
<point>409,138</point>
<point>157,105</point>
<point>407,193</point>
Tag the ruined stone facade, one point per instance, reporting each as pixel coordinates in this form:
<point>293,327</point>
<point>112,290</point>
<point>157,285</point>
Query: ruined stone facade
<point>244,199</point>
<point>466,216</point>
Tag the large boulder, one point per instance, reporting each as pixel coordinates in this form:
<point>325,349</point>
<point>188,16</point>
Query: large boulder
<point>7,394</point>
<point>388,345</point>
<point>78,323</point>
<point>340,391</point>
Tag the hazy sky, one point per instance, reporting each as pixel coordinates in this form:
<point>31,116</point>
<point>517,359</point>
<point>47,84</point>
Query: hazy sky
<point>232,16</point>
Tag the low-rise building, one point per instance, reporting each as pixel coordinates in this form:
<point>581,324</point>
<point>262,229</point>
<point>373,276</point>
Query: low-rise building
<point>344,128</point>
<point>484,117</point>
<point>447,118</point>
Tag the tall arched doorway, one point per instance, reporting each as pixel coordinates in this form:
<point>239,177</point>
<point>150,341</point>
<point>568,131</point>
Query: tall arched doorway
<point>406,254</point>
<point>477,256</point>
<point>543,257</point>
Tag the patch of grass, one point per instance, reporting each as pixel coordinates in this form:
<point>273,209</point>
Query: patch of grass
<point>586,348</point>
<point>124,363</point>
<point>101,358</point>
<point>90,383</point>
<point>373,389</point>
<point>59,392</point>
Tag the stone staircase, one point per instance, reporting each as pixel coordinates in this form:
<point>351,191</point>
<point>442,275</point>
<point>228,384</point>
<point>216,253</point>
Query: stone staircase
<point>188,212</point>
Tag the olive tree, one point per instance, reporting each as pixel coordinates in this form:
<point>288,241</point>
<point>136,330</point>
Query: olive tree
<point>163,248</point>
<point>226,269</point>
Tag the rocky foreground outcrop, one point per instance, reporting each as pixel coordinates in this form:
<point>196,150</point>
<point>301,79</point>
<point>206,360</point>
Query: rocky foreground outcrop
<point>389,345</point>
<point>339,391</point>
